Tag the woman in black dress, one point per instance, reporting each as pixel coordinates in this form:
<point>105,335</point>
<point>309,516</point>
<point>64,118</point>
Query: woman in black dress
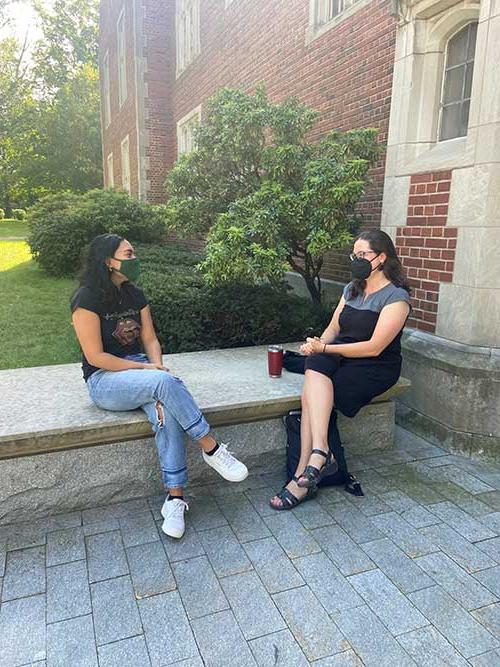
<point>357,357</point>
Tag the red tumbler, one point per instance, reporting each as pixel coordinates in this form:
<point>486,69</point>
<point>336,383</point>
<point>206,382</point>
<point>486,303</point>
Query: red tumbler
<point>275,360</point>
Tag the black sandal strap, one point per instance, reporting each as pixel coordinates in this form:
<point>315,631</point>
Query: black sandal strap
<point>287,496</point>
<point>320,451</point>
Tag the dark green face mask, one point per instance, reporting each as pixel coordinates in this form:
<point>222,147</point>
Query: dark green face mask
<point>131,268</point>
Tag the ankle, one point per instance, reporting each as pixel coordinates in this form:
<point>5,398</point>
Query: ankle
<point>211,452</point>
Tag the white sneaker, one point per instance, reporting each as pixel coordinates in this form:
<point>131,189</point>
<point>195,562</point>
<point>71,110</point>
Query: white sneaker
<point>226,464</point>
<point>173,513</point>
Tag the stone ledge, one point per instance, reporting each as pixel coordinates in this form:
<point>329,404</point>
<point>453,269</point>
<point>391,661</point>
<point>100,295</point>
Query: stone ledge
<point>455,392</point>
<point>47,409</point>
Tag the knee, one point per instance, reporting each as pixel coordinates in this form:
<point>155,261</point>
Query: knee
<point>165,383</point>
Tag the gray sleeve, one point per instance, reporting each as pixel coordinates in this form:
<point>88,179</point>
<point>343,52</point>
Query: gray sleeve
<point>346,291</point>
<point>397,294</point>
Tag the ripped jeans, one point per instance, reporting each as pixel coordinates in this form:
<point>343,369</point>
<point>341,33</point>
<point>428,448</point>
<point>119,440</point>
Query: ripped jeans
<point>137,388</point>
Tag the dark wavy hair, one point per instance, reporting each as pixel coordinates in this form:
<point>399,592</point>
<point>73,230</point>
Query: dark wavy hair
<point>393,270</point>
<point>95,273</point>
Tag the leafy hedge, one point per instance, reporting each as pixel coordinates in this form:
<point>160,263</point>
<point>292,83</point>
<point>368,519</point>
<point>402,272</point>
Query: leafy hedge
<point>62,225</point>
<point>190,315</point>
<point>19,214</point>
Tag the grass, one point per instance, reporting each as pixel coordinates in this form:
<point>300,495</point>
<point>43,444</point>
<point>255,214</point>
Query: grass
<point>11,227</point>
<point>34,311</point>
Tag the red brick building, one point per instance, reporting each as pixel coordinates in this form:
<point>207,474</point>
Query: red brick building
<point>337,60</point>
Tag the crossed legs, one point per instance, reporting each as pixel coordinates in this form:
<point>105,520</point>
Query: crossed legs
<point>317,404</point>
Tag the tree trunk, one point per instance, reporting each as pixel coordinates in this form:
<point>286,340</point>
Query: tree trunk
<point>310,273</point>
<point>313,284</point>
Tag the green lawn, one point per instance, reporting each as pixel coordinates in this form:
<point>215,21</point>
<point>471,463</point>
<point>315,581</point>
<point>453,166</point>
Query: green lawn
<point>10,227</point>
<point>34,311</point>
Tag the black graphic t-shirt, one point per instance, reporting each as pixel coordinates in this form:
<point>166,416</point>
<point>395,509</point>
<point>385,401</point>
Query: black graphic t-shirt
<point>120,321</point>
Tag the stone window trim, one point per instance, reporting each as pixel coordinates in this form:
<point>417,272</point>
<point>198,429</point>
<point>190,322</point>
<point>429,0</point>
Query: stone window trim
<point>187,34</point>
<point>186,123</point>
<point>106,101</point>
<point>121,52</point>
<point>125,164</point>
<point>110,172</point>
<point>316,29</point>
<point>416,136</point>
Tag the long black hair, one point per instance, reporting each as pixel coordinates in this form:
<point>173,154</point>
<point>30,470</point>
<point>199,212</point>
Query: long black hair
<point>393,270</point>
<point>96,274</point>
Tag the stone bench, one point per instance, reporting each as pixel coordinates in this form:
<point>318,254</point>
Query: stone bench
<point>49,430</point>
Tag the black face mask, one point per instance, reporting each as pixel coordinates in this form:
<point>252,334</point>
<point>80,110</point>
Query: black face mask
<point>361,269</point>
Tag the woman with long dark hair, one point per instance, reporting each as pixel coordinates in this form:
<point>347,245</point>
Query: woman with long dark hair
<point>123,368</point>
<point>357,357</point>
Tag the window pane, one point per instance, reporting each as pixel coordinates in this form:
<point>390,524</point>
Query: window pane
<point>464,118</point>
<point>457,85</point>
<point>468,80</point>
<point>450,122</point>
<point>457,48</point>
<point>453,85</point>
<point>472,41</point>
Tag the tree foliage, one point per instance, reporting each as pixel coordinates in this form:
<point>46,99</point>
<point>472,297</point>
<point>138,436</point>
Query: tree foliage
<point>70,42</point>
<point>18,124</point>
<point>49,106</point>
<point>266,198</point>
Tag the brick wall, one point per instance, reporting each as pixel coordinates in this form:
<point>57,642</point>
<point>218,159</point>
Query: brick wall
<point>159,76</point>
<point>427,245</point>
<point>123,120</point>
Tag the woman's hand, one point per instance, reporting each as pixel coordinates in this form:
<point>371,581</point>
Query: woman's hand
<point>312,346</point>
<point>315,345</point>
<point>305,349</point>
<point>154,367</point>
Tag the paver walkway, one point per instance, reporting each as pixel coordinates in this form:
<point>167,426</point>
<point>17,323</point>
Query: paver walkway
<point>408,575</point>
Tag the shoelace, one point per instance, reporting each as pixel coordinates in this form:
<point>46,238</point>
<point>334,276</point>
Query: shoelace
<point>226,456</point>
<point>178,506</point>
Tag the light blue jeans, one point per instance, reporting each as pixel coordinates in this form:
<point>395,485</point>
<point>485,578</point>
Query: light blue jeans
<point>138,388</point>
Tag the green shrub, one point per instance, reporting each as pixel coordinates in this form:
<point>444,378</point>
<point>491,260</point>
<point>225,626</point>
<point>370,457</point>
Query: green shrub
<point>190,315</point>
<point>62,225</point>
<point>19,214</point>
<point>2,214</point>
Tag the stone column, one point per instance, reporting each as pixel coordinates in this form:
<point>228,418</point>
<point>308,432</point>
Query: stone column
<point>450,245</point>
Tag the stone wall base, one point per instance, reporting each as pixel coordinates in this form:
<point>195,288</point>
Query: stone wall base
<point>454,399</point>
<point>32,487</point>
<point>473,445</point>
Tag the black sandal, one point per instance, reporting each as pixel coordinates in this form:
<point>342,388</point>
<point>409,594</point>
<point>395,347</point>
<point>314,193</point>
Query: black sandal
<point>288,500</point>
<point>311,476</point>
<point>353,486</point>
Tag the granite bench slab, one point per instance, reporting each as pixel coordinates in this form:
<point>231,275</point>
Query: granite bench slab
<point>46,409</point>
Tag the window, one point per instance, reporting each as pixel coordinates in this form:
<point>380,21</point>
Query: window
<point>457,83</point>
<point>110,176</point>
<point>106,103</point>
<point>125,165</point>
<point>326,10</point>
<point>122,64</point>
<point>186,131</point>
<point>188,32</point>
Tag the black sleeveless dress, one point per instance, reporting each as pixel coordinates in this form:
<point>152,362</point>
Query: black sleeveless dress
<point>358,380</point>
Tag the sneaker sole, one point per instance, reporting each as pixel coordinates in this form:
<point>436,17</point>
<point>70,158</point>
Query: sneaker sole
<point>175,534</point>
<point>228,478</point>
